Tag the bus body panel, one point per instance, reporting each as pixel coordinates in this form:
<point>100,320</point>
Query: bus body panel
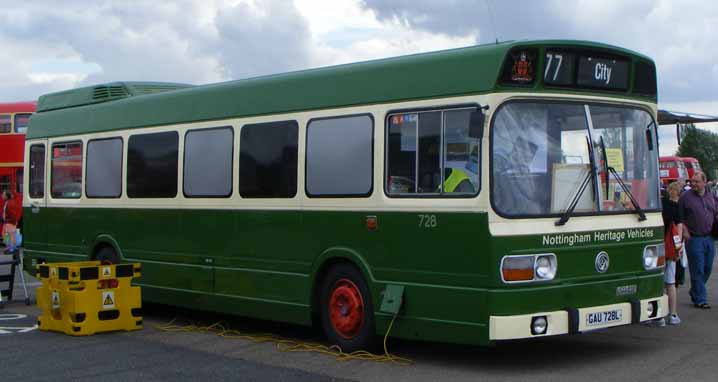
<point>264,258</point>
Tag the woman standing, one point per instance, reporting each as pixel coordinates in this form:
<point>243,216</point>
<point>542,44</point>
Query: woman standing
<point>9,219</point>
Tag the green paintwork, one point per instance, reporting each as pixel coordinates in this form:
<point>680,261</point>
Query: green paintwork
<point>455,72</point>
<point>264,263</point>
<point>267,263</point>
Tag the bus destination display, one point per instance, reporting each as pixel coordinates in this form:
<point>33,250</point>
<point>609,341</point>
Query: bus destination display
<point>602,73</point>
<point>564,69</point>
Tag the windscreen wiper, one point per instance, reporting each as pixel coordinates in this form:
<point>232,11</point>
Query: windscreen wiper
<point>611,170</point>
<point>577,197</point>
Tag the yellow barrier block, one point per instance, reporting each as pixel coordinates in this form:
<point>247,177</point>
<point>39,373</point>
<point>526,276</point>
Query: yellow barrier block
<point>85,298</point>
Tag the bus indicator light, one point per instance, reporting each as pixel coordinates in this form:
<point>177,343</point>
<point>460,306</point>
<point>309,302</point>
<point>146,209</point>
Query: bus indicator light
<point>518,268</point>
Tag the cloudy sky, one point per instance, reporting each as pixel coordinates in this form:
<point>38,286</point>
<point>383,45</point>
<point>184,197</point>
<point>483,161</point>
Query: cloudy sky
<point>50,45</point>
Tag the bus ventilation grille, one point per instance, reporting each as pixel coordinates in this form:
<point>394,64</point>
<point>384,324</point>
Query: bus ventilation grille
<point>152,89</point>
<point>106,93</point>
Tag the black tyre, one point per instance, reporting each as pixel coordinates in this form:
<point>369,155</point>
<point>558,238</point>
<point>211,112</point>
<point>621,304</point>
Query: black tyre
<point>346,309</point>
<point>107,255</point>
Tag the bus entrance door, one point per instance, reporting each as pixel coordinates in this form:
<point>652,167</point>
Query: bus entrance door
<point>35,205</point>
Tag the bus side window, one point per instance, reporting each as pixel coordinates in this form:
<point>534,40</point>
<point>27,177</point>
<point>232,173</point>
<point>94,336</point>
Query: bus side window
<point>434,153</point>
<point>268,160</point>
<point>104,168</point>
<point>339,156</point>
<point>19,178</point>
<point>208,162</point>
<point>21,122</point>
<point>37,171</point>
<point>152,162</point>
<point>5,124</point>
<point>5,183</point>
<point>66,170</point>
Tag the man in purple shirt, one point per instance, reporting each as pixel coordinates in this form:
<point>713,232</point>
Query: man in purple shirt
<point>697,209</point>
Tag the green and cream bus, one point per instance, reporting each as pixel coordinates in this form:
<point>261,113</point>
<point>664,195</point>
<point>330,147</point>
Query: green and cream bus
<point>473,195</point>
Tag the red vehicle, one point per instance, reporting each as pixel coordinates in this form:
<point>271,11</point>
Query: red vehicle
<point>14,118</point>
<point>672,169</point>
<point>691,165</point>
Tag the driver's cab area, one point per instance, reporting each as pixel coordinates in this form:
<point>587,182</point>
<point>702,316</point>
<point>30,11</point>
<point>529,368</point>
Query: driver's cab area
<point>434,152</point>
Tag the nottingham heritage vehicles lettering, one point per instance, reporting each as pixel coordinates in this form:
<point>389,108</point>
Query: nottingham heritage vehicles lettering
<point>605,236</point>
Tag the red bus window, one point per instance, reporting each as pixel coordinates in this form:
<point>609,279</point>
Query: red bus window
<point>21,122</point>
<point>5,123</point>
<point>19,177</point>
<point>5,183</point>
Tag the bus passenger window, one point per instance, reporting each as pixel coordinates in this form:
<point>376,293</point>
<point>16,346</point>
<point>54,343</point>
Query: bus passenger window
<point>461,153</point>
<point>268,160</point>
<point>37,171</point>
<point>5,124</point>
<point>104,168</point>
<point>433,153</point>
<point>5,183</point>
<point>339,156</point>
<point>21,122</point>
<point>152,165</point>
<point>66,170</point>
<point>401,154</point>
<point>208,162</point>
<point>19,178</point>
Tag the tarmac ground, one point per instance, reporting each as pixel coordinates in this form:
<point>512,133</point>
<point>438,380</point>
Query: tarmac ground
<point>637,352</point>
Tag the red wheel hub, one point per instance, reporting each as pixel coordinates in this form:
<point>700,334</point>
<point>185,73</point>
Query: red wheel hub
<point>346,308</point>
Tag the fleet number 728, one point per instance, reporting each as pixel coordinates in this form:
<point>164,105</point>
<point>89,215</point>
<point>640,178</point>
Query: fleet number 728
<point>427,221</point>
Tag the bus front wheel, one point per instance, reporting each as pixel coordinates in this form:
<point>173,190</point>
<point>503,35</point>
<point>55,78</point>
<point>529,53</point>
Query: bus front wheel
<point>107,255</point>
<point>347,313</point>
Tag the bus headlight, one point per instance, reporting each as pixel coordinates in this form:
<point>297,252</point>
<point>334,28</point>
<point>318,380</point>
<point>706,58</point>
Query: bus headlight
<point>522,268</point>
<point>654,257</point>
<point>545,267</point>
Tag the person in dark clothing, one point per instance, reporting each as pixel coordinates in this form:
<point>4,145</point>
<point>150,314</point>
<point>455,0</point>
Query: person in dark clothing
<point>697,210</point>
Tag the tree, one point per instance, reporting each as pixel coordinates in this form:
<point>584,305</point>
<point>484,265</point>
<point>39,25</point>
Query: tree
<point>702,145</point>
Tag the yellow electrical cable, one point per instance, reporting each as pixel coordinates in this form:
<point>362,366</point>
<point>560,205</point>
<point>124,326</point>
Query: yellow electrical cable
<point>289,345</point>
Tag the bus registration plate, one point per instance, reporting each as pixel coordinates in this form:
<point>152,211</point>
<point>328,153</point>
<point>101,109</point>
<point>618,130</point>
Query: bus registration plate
<point>604,318</point>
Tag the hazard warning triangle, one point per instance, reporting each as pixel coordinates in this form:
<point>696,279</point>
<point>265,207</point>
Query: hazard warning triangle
<point>55,299</point>
<point>108,300</point>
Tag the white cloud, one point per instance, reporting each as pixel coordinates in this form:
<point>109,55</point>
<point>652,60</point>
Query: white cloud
<point>203,41</point>
<point>678,34</point>
<point>48,78</point>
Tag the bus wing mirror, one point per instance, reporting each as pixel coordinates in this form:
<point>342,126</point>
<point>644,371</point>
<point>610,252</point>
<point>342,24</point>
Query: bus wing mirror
<point>649,139</point>
<point>476,124</point>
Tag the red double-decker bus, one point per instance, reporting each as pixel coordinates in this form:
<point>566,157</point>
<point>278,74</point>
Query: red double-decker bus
<point>692,165</point>
<point>672,169</point>
<point>14,118</point>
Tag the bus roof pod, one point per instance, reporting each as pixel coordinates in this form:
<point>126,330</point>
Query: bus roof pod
<point>103,93</point>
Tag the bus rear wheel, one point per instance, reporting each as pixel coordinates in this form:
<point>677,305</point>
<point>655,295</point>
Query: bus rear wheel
<point>347,314</point>
<point>107,255</point>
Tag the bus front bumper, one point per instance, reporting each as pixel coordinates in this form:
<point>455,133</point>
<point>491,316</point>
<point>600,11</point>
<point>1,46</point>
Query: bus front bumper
<point>571,321</point>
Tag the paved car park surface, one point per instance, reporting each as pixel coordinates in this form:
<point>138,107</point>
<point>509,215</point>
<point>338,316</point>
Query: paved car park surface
<point>687,352</point>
